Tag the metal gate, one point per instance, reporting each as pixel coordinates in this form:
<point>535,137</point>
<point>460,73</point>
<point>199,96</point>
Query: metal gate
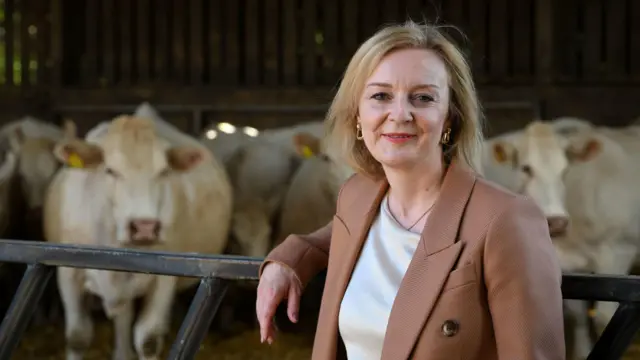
<point>216,271</point>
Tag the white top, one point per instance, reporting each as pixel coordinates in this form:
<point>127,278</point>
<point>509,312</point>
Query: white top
<point>375,281</point>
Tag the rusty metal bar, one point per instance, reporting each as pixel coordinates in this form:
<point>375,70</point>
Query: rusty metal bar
<point>19,314</point>
<point>196,324</point>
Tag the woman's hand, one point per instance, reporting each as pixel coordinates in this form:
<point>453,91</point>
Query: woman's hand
<point>277,282</point>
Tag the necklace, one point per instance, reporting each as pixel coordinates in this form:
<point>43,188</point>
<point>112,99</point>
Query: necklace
<point>416,222</point>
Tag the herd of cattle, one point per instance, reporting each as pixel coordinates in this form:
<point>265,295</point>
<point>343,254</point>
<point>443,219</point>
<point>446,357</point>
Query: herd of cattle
<point>138,182</point>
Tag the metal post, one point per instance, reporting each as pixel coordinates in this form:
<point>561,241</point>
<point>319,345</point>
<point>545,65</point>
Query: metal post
<point>26,298</point>
<point>618,334</point>
<point>196,324</point>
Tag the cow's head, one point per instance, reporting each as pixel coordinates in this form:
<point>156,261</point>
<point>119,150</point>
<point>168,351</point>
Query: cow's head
<point>310,146</point>
<point>36,166</point>
<point>539,158</point>
<point>137,169</point>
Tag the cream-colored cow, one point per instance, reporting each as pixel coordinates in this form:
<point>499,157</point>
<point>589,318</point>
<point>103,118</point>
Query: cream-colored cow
<point>310,202</point>
<point>225,145</point>
<point>260,173</point>
<point>584,178</point>
<point>133,183</point>
<point>32,141</point>
<point>260,169</point>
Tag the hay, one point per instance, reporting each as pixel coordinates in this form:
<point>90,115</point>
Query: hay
<point>47,343</point>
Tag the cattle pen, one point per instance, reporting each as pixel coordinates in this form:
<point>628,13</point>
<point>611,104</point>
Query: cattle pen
<point>216,271</point>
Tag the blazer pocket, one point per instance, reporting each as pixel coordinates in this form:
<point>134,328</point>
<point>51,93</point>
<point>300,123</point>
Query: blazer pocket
<point>460,277</point>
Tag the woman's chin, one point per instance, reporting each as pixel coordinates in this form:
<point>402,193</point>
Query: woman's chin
<point>398,162</point>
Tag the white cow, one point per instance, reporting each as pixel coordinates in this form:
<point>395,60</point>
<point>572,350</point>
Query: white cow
<point>133,183</point>
<point>260,169</point>
<point>310,202</point>
<point>260,173</point>
<point>32,141</point>
<point>585,180</point>
<point>225,145</point>
<point>283,135</point>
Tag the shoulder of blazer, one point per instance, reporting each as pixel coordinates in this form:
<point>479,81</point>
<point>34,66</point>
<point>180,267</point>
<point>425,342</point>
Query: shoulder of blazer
<point>349,190</point>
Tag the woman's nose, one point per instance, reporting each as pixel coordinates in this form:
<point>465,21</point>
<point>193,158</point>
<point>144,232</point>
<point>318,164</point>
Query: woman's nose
<point>401,111</point>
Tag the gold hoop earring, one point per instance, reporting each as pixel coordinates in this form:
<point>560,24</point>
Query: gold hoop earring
<point>446,136</point>
<point>359,132</point>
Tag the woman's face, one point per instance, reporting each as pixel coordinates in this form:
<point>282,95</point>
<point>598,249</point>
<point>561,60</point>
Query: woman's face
<point>404,107</point>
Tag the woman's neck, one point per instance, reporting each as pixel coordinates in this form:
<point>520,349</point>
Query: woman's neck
<point>412,192</point>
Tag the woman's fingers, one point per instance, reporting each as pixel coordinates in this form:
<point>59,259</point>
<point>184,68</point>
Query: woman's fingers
<point>266,305</point>
<point>293,304</point>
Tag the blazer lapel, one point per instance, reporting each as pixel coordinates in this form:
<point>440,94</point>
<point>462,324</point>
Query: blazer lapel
<point>435,256</point>
<point>357,217</point>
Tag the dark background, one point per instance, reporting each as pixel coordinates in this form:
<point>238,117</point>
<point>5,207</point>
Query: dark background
<point>269,63</point>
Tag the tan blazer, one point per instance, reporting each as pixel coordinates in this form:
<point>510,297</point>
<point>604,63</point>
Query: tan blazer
<point>484,282</point>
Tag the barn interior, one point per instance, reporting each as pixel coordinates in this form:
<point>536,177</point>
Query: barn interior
<point>221,68</point>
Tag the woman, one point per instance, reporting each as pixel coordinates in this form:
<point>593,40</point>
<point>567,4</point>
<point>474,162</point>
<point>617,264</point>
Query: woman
<point>425,259</point>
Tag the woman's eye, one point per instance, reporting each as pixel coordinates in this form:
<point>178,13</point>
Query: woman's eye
<point>380,96</point>
<point>424,98</point>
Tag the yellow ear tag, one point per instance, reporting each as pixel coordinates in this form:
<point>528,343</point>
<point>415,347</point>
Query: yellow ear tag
<point>307,152</point>
<point>75,161</point>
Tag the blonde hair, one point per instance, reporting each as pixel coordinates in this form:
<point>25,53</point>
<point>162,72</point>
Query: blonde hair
<point>465,114</point>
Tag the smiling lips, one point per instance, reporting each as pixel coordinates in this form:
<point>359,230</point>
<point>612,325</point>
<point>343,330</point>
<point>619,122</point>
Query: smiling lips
<point>398,138</point>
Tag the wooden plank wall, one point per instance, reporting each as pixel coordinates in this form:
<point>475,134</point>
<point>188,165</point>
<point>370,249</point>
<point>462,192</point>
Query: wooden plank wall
<point>597,41</point>
<point>25,44</point>
<point>569,57</point>
<point>271,43</point>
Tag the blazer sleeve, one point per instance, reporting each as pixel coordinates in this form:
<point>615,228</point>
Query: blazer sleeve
<point>307,255</point>
<point>523,279</point>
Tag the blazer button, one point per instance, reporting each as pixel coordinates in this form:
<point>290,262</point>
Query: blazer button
<point>450,328</point>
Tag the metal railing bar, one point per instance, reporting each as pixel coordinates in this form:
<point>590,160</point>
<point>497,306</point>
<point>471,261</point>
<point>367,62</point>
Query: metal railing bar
<point>195,325</point>
<point>598,287</point>
<point>618,334</point>
<point>616,288</point>
<point>147,261</point>
<point>22,306</point>
<point>215,270</point>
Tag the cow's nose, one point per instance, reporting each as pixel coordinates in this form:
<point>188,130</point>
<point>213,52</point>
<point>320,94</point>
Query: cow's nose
<point>558,225</point>
<point>144,231</point>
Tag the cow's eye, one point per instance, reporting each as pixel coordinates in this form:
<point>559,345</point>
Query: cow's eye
<point>111,172</point>
<point>527,170</point>
<point>164,173</point>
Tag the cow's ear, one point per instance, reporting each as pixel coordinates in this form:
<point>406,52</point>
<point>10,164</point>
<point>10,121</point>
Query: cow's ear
<point>185,158</point>
<point>78,154</point>
<point>504,152</point>
<point>306,144</point>
<point>585,151</point>
<point>16,139</point>
<point>69,129</point>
